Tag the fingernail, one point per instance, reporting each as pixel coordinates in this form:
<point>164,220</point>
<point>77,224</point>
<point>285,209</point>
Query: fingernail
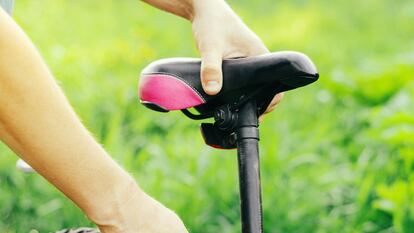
<point>212,86</point>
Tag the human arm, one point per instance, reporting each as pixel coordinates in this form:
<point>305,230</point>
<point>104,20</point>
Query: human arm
<point>37,122</point>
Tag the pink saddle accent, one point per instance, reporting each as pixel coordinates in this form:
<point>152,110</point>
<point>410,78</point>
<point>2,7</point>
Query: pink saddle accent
<point>168,92</point>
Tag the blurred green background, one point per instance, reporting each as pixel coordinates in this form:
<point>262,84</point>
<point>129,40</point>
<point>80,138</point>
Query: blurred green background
<point>337,156</point>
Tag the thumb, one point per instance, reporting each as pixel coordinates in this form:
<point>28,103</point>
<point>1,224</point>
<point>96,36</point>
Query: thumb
<point>211,74</point>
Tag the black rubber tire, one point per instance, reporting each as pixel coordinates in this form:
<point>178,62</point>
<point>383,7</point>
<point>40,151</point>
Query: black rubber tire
<point>79,230</point>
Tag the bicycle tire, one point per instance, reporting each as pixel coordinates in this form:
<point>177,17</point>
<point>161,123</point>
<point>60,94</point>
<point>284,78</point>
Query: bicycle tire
<point>79,230</point>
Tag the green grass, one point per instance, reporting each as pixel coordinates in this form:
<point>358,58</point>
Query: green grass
<point>337,156</point>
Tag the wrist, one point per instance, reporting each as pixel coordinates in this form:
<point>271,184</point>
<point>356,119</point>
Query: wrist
<point>209,8</point>
<point>111,214</point>
<point>133,211</point>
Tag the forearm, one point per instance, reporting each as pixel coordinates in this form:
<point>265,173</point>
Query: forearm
<point>183,8</point>
<point>37,122</point>
<point>188,9</point>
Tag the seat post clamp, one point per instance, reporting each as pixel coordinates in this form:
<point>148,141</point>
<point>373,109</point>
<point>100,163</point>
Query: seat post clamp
<point>247,132</point>
<point>225,119</point>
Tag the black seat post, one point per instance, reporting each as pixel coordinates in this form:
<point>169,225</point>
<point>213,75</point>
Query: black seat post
<point>249,168</point>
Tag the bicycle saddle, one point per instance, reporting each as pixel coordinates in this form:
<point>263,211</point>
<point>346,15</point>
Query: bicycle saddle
<point>174,83</point>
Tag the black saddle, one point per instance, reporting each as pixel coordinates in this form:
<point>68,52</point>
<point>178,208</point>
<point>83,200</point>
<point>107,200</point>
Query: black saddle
<point>174,84</point>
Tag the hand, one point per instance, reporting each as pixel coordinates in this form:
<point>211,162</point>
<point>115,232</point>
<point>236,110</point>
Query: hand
<point>139,213</point>
<point>220,34</point>
<point>158,219</point>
